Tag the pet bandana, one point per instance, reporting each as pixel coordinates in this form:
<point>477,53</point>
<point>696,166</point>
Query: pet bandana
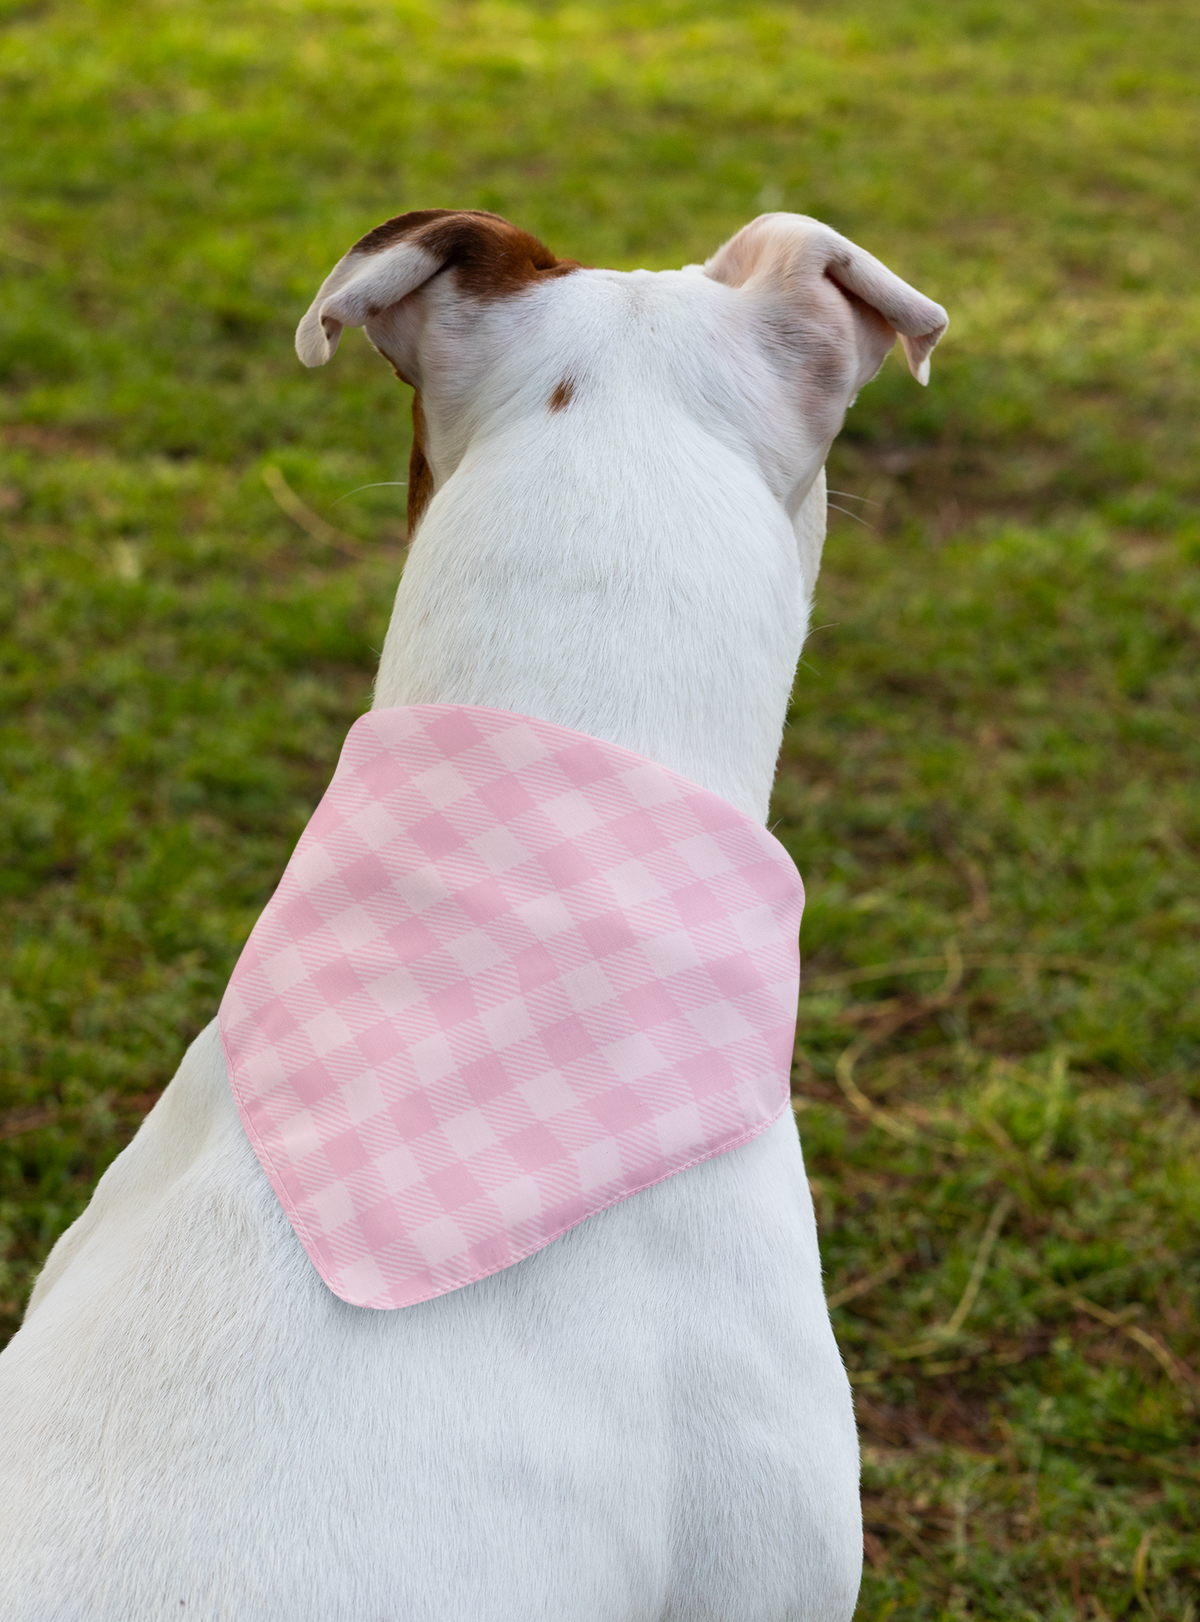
<point>511,975</point>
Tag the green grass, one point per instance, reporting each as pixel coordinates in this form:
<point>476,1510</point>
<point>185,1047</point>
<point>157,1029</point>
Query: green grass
<point>989,779</point>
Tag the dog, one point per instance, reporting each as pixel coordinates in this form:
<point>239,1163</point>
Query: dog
<point>617,505</point>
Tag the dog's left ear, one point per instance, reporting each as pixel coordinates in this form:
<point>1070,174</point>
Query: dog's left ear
<point>493,259</point>
<point>801,267</point>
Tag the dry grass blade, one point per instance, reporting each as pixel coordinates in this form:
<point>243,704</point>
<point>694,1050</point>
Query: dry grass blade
<point>310,522</point>
<point>953,1325</point>
<point>1140,1561</point>
<point>1026,962</point>
<point>984,1255</point>
<point>953,961</point>
<point>25,252</point>
<point>1174,1367</point>
<point>954,973</point>
<point>844,1071</point>
<point>18,1121</point>
<point>863,1286</point>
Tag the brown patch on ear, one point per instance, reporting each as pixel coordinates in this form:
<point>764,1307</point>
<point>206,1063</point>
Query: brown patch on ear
<point>420,478</point>
<point>493,258</point>
<point>563,394</point>
<point>399,227</point>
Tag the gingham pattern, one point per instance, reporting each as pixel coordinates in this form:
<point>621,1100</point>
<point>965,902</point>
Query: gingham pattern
<point>511,975</point>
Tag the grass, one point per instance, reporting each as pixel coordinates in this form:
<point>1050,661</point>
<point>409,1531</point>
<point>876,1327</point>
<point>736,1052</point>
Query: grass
<point>989,774</point>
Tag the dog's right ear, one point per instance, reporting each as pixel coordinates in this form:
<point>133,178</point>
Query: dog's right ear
<point>493,259</point>
<point>838,297</point>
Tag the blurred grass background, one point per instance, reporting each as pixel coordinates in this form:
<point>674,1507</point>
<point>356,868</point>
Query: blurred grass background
<point>989,777</point>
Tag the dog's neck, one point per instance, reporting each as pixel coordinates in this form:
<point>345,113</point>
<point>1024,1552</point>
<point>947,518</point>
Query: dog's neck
<point>665,614</point>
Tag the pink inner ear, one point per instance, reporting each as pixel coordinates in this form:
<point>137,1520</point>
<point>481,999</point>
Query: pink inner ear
<point>380,280</point>
<point>916,320</point>
<point>917,352</point>
<point>358,286</point>
<point>788,248</point>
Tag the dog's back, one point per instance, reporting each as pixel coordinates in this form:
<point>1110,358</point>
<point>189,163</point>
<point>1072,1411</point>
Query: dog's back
<point>648,1418</point>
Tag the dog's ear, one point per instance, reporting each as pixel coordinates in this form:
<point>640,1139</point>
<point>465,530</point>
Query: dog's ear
<point>493,258</point>
<point>795,263</point>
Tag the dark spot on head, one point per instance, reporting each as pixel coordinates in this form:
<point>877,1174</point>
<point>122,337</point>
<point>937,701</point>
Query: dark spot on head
<point>493,258</point>
<point>563,394</point>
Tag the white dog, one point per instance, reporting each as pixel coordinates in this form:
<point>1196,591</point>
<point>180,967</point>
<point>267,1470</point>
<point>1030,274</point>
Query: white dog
<point>619,484</point>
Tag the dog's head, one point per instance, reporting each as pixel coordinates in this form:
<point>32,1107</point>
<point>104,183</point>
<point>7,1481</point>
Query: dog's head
<point>766,344</point>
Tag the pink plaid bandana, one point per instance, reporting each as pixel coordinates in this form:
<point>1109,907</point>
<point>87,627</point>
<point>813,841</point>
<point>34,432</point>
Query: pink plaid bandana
<point>511,975</point>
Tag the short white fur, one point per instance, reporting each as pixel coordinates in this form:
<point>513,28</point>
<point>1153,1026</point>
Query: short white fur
<point>648,1420</point>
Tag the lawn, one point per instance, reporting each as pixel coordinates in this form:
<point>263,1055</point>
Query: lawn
<point>989,778</point>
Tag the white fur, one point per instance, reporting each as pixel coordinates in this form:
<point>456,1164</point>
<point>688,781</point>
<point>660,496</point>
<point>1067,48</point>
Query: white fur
<point>648,1420</point>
